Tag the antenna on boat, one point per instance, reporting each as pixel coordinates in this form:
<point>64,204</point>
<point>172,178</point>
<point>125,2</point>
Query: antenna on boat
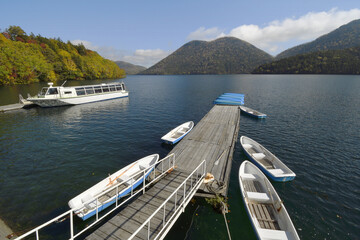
<point>63,83</point>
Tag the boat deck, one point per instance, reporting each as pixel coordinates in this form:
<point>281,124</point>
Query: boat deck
<point>264,213</point>
<point>212,139</point>
<point>266,162</point>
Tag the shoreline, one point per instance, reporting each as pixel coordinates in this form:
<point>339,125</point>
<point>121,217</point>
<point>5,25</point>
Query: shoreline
<point>4,230</point>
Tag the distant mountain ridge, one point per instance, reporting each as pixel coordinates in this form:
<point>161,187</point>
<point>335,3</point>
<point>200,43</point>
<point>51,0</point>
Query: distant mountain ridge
<point>339,61</point>
<point>226,55</point>
<point>346,36</point>
<point>130,69</point>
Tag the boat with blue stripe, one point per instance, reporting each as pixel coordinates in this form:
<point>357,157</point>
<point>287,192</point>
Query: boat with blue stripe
<point>252,112</point>
<point>118,185</point>
<point>266,161</point>
<point>178,133</point>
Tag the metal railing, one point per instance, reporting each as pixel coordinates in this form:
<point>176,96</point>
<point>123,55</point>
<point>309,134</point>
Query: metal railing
<point>194,180</point>
<point>163,166</point>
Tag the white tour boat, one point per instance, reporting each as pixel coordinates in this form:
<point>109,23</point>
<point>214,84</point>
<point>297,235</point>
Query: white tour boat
<point>54,96</point>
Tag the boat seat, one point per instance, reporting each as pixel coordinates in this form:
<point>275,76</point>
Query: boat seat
<point>274,234</point>
<point>258,156</point>
<point>246,145</point>
<point>125,178</point>
<point>142,167</point>
<point>276,171</point>
<point>258,197</point>
<point>248,176</point>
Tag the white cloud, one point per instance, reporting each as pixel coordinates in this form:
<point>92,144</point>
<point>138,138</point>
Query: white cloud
<point>146,57</point>
<point>141,57</point>
<point>205,34</point>
<point>278,35</point>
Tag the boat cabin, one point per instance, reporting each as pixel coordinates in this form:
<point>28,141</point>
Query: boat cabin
<point>65,92</point>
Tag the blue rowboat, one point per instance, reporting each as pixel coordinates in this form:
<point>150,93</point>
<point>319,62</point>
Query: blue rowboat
<point>266,161</point>
<point>263,205</point>
<point>233,94</point>
<point>178,133</point>
<point>252,112</point>
<point>228,102</point>
<point>122,182</point>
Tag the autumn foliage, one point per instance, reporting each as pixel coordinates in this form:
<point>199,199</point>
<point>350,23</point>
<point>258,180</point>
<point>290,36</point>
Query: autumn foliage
<point>28,58</point>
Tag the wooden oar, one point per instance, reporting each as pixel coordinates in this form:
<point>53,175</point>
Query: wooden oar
<point>112,181</point>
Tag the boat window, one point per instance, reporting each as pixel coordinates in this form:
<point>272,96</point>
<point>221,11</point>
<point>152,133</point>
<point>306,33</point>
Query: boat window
<point>52,91</point>
<point>80,91</point>
<point>67,92</point>
<point>123,86</point>
<point>105,88</point>
<point>118,87</point>
<point>98,89</point>
<point>43,91</point>
<point>112,88</point>
<point>89,90</point>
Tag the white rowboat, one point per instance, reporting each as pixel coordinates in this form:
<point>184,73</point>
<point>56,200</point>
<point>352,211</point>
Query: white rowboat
<point>266,211</point>
<point>252,112</point>
<point>178,133</point>
<point>266,161</point>
<point>127,178</point>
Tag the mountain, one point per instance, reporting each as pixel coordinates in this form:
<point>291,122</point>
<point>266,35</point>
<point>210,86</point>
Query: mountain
<point>129,68</point>
<point>28,58</point>
<point>226,55</point>
<point>341,61</point>
<point>343,37</point>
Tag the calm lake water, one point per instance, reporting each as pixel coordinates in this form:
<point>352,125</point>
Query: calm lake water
<point>48,156</point>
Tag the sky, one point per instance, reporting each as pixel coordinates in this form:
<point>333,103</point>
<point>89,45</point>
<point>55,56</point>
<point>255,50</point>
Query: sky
<point>143,32</point>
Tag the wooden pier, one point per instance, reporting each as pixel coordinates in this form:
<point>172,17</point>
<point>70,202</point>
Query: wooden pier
<point>11,107</point>
<point>212,139</point>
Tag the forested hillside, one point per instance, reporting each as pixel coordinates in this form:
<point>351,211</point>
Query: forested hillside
<point>227,55</point>
<point>346,36</point>
<point>344,61</point>
<point>28,58</point>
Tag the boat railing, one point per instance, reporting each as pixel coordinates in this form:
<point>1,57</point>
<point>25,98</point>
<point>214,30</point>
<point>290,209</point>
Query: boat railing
<point>177,202</point>
<point>159,168</point>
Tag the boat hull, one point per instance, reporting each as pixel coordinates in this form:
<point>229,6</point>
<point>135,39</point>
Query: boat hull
<point>44,102</point>
<point>251,112</point>
<point>124,193</point>
<point>267,173</point>
<point>264,194</point>
<point>277,172</point>
<point>86,204</point>
<point>169,139</point>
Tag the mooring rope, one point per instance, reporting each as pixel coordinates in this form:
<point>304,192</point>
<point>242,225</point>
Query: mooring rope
<point>223,207</point>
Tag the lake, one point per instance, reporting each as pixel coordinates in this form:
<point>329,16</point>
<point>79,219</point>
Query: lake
<point>48,156</point>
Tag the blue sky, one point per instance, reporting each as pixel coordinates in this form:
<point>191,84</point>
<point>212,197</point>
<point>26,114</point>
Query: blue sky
<point>144,32</point>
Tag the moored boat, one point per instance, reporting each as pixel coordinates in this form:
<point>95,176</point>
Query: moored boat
<point>266,161</point>
<point>54,96</point>
<point>178,133</point>
<point>126,179</point>
<point>264,207</point>
<point>252,112</point>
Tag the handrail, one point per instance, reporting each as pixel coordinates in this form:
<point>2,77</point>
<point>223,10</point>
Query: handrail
<point>171,165</point>
<point>162,206</point>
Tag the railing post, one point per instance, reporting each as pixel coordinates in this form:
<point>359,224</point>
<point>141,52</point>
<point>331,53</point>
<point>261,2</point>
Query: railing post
<point>117,195</point>
<point>183,204</point>
<point>97,209</point>
<point>149,230</point>
<point>37,234</point>
<point>164,214</point>
<point>144,183</point>
<point>71,225</point>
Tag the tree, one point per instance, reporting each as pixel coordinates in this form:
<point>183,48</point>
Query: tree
<point>15,31</point>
